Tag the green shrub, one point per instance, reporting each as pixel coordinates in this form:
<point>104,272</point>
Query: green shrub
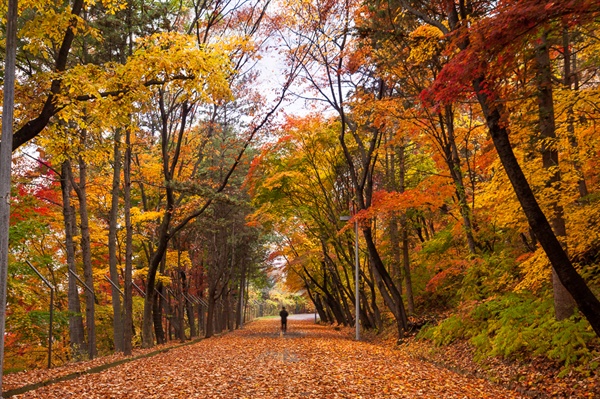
<point>519,326</point>
<point>446,332</point>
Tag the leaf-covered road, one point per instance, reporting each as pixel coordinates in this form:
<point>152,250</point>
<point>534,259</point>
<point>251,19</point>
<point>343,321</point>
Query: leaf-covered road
<point>311,361</point>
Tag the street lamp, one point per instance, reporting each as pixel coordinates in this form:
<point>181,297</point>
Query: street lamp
<point>356,275</point>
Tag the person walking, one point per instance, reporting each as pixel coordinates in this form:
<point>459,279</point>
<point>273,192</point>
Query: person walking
<point>284,315</point>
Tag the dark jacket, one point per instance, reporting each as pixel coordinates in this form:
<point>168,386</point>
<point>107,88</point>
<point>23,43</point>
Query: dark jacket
<point>284,314</point>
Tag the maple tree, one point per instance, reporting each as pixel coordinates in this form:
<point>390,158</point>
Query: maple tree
<point>451,81</point>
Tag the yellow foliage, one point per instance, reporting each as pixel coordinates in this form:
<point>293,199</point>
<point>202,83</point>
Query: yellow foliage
<point>427,42</point>
<point>536,270</point>
<point>141,273</point>
<point>139,216</point>
<point>176,259</point>
<point>161,278</point>
<point>583,229</point>
<point>280,179</point>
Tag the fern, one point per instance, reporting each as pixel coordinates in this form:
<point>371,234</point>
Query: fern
<point>519,326</point>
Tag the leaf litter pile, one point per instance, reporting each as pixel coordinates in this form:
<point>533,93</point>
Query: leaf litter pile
<point>310,361</point>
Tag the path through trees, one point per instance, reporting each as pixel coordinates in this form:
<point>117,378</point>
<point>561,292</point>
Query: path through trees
<point>311,361</point>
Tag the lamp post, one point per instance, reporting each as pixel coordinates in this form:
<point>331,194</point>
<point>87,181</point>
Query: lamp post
<point>356,276</point>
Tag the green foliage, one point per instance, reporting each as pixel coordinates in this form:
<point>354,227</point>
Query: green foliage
<point>441,243</point>
<point>448,331</point>
<point>518,326</point>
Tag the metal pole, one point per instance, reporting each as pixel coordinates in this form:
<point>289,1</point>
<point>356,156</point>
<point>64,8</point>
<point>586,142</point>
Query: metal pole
<point>356,276</point>
<point>6,162</point>
<point>142,293</point>
<point>356,265</point>
<point>114,285</point>
<point>50,328</point>
<point>87,287</point>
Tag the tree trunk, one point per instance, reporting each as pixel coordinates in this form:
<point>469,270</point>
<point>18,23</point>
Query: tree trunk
<point>571,83</point>
<point>454,166</point>
<point>332,305</point>
<point>376,312</point>
<point>112,245</point>
<point>128,297</point>
<point>201,322</point>
<point>564,305</point>
<point>160,303</point>
<point>189,306</point>
<point>394,185</point>
<point>404,232</point>
<point>394,236</point>
<point>210,314</point>
<point>231,311</point>
<point>573,282</point>
<point>149,299</point>
<point>86,252</point>
<point>321,309</point>
<point>389,292</point>
<point>179,317</point>
<point>76,331</point>
<point>406,265</point>
<point>366,316</point>
<point>316,300</point>
<point>240,307</point>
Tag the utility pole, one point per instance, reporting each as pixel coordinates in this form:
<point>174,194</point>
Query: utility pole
<point>6,141</point>
<point>356,277</point>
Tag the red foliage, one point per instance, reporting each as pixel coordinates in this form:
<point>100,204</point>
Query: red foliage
<point>488,47</point>
<point>455,269</point>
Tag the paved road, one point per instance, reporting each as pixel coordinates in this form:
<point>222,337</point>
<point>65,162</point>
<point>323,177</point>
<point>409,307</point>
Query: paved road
<point>310,361</point>
<point>303,316</point>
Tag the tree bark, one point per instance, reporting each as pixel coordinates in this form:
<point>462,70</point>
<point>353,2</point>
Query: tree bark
<point>112,244</point>
<point>86,252</point>
<point>76,331</point>
<point>240,308</point>
<point>128,297</point>
<point>389,291</point>
<point>406,266</point>
<point>210,314</point>
<point>404,233</point>
<point>156,315</point>
<point>9,77</point>
<point>571,83</point>
<point>6,138</point>
<point>450,151</point>
<point>189,306</point>
<point>564,305</point>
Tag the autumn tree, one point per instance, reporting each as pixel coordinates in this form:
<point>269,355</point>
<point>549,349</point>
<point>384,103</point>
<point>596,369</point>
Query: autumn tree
<point>303,186</point>
<point>512,21</point>
<point>324,48</point>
